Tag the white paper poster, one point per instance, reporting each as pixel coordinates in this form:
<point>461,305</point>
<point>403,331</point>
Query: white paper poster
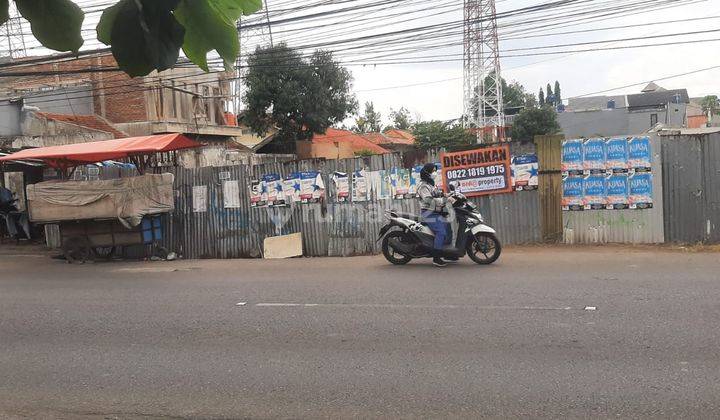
<point>361,188</point>
<point>342,186</point>
<point>200,199</point>
<point>231,194</point>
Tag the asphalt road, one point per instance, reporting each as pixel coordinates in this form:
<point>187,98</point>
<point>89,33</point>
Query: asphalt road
<point>356,337</point>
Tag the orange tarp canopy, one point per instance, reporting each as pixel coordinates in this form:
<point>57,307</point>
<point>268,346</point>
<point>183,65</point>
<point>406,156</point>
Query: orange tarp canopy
<point>83,153</point>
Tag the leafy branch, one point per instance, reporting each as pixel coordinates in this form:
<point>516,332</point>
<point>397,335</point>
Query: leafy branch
<point>144,35</point>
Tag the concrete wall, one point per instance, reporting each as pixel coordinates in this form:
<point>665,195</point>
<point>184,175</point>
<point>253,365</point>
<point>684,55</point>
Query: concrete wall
<point>599,123</point>
<point>618,122</point>
<point>10,118</point>
<point>40,132</point>
<point>76,100</point>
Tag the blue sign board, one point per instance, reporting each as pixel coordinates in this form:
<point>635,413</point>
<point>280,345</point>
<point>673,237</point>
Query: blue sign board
<point>594,156</point>
<point>640,154</point>
<point>640,191</point>
<point>617,191</point>
<point>617,155</point>
<point>573,192</point>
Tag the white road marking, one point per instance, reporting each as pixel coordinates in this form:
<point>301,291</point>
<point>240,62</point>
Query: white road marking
<point>591,308</point>
<point>399,306</point>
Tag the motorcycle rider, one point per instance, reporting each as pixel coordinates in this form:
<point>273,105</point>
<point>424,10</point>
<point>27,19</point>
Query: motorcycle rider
<point>432,203</point>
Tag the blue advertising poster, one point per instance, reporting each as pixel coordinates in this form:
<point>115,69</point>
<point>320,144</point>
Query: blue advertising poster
<point>617,155</point>
<point>573,190</point>
<point>641,191</point>
<point>594,156</point>
<point>617,192</point>
<point>524,170</point>
<point>594,192</point>
<point>291,187</point>
<point>639,154</point>
<point>274,188</point>
<point>415,180</point>
<point>572,157</point>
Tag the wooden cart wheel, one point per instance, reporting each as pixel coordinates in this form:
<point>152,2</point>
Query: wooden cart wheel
<point>77,250</point>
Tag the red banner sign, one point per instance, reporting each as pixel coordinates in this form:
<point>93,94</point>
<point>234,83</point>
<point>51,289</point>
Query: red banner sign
<point>479,171</point>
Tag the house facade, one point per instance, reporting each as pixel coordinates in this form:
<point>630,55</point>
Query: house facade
<point>607,116</point>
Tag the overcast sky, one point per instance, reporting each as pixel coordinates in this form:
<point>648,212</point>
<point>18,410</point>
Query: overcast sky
<point>437,86</point>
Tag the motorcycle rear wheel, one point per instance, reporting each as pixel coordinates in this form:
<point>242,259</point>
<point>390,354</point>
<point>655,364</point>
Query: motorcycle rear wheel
<point>391,254</point>
<point>484,249</point>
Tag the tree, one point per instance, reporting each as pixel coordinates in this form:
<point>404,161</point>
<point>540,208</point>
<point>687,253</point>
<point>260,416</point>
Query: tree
<point>549,98</point>
<point>300,96</point>
<point>557,93</point>
<point>441,134</point>
<point>400,119</point>
<point>144,35</point>
<point>710,105</point>
<point>530,101</point>
<point>532,122</point>
<point>541,97</point>
<point>370,122</point>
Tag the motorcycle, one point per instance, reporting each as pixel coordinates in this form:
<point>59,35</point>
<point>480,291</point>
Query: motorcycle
<point>414,239</point>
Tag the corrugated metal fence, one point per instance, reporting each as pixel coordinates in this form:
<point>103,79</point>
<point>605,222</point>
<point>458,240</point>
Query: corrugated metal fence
<point>691,178</point>
<point>328,229</point>
<point>621,226</point>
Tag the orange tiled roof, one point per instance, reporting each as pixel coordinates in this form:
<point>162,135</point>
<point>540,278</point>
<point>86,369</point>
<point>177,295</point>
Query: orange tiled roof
<point>404,137</point>
<point>89,121</point>
<point>358,143</point>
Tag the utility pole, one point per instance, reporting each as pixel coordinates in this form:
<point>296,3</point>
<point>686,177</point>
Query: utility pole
<point>483,105</point>
<point>12,41</point>
<point>254,31</point>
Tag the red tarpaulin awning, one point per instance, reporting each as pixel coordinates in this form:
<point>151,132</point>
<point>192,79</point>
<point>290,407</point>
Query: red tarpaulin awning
<point>70,155</point>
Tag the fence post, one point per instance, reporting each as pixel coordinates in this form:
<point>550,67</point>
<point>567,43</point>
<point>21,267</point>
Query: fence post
<point>549,149</point>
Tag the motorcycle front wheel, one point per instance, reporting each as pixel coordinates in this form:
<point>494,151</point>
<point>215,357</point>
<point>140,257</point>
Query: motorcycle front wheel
<point>390,253</point>
<point>484,249</point>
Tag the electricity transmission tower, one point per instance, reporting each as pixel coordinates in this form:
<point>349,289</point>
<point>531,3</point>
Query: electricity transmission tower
<point>482,82</point>
<point>12,41</point>
<point>254,31</point>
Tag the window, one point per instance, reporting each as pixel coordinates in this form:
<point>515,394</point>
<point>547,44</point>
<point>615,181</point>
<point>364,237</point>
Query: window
<point>653,120</point>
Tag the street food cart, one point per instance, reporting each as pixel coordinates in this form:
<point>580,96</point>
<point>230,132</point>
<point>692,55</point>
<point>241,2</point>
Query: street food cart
<point>94,217</point>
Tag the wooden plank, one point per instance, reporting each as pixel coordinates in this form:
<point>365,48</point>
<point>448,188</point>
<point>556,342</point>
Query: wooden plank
<point>550,186</point>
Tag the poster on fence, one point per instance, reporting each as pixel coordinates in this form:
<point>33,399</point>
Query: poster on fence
<point>341,182</point>
<point>256,193</point>
<point>360,186</point>
<point>291,187</point>
<point>231,194</point>
<point>274,187</point>
<point>640,194</point>
<point>379,183</point>
<point>312,187</point>
<point>400,180</point>
<point>478,172</point>
<point>594,192</point>
<point>414,180</point>
<point>571,162</point>
<point>639,154</point>
<point>617,155</point>
<point>573,191</point>
<point>524,170</point>
<point>594,156</point>
<point>617,192</point>
<point>438,176</point>
<point>199,198</point>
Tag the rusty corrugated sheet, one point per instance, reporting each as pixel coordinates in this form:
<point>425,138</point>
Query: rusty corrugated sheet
<point>691,165</point>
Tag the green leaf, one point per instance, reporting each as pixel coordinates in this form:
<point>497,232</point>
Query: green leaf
<point>144,35</point>
<point>210,25</point>
<point>107,20</point>
<point>4,11</point>
<point>55,23</point>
